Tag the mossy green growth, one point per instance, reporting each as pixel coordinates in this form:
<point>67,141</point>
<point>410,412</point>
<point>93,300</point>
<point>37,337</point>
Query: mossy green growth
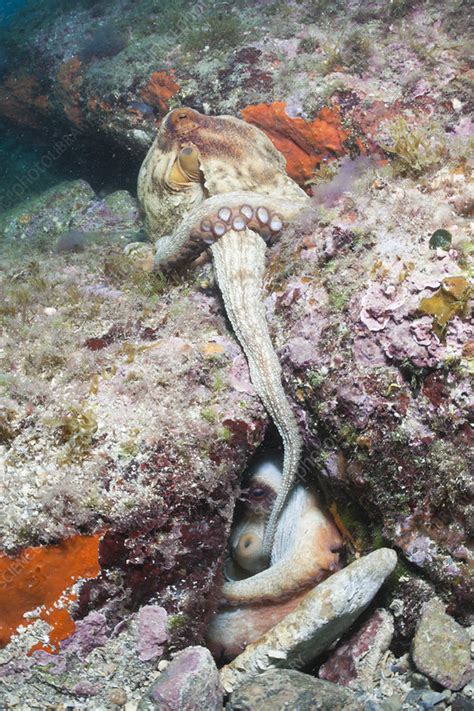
<point>415,149</point>
<point>218,28</point>
<point>209,414</point>
<point>315,378</point>
<point>225,434</point>
<point>175,623</point>
<point>122,272</point>
<point>378,538</point>
<point>350,521</point>
<point>7,430</point>
<point>356,50</point>
<point>339,298</point>
<point>400,8</point>
<point>320,9</point>
<point>17,301</point>
<point>130,447</point>
<point>218,383</point>
<point>76,429</point>
<point>309,44</point>
<point>348,434</point>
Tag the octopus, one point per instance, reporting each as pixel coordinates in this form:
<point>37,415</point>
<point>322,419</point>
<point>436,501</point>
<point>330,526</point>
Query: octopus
<point>306,550</point>
<point>218,185</point>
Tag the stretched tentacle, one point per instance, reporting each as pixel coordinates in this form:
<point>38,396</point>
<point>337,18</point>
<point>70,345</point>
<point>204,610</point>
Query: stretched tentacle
<point>211,219</point>
<point>239,262</point>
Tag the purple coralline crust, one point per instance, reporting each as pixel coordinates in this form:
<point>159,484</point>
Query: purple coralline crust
<point>191,680</point>
<point>152,632</point>
<point>384,393</point>
<point>346,661</point>
<point>91,632</point>
<point>86,689</point>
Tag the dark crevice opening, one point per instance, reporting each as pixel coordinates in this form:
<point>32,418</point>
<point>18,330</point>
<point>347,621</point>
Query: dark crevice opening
<point>32,161</point>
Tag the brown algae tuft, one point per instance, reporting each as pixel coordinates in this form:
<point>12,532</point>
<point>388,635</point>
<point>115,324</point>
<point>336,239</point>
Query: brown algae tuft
<point>450,300</point>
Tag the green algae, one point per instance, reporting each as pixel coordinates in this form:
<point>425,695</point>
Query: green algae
<point>76,429</point>
<point>218,28</point>
<point>415,149</point>
<point>209,414</point>
<point>440,239</point>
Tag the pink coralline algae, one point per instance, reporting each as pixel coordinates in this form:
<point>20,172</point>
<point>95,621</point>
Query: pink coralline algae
<point>392,313</point>
<point>367,352</point>
<point>354,660</point>
<point>414,341</point>
<point>357,403</point>
<point>152,632</point>
<point>378,306</point>
<point>239,376</point>
<point>91,632</point>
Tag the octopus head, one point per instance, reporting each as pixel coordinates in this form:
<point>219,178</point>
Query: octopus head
<point>256,502</point>
<point>195,157</point>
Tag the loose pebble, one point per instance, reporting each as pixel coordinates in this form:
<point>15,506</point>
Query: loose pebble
<point>190,681</point>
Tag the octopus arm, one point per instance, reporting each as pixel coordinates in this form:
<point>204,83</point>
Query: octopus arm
<point>210,220</point>
<point>312,558</point>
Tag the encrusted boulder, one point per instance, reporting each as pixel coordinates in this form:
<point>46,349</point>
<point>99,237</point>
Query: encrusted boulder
<point>442,648</point>
<point>377,351</point>
<point>290,689</point>
<point>189,683</point>
<point>69,215</point>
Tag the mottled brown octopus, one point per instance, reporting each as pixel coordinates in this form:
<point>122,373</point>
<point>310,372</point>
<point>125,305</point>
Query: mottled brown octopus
<point>219,184</point>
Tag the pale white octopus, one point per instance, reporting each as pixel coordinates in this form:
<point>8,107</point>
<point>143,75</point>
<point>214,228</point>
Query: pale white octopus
<point>306,550</point>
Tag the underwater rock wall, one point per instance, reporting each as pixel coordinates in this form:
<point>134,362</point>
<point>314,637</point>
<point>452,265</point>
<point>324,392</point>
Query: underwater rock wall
<point>377,345</point>
<point>115,69</point>
<point>127,415</point>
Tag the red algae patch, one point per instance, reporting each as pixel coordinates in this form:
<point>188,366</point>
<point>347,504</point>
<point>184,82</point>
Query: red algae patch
<point>41,579</point>
<point>69,81</point>
<point>161,87</point>
<point>303,143</point>
<point>22,102</point>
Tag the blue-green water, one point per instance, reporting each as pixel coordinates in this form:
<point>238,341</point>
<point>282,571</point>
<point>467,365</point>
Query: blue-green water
<point>25,166</point>
<point>8,8</point>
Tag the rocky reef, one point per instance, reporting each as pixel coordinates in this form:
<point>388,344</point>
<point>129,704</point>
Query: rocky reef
<point>127,416</point>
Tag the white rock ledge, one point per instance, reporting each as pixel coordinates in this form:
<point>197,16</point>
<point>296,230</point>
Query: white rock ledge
<point>324,614</point>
